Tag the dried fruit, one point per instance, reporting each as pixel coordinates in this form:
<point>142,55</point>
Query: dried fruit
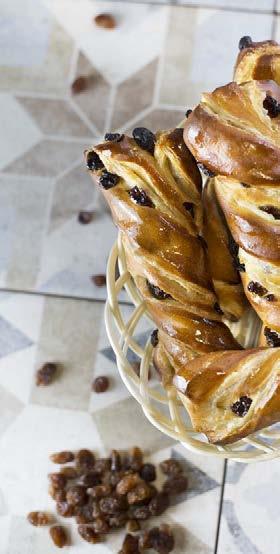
<point>130,545</point>
<point>117,521</point>
<point>59,495</point>
<point>159,504</point>
<point>69,472</point>
<point>140,493</point>
<point>58,535</point>
<point>141,512</point>
<point>241,406</point>
<point>112,478</point>
<point>96,512</point>
<point>139,196</point>
<point>189,206</point>
<point>112,504</point>
<point>100,491</point>
<point>38,519</point>
<point>58,480</point>
<point>148,472</point>
<point>171,467</point>
<point>108,180</point>
<point>80,84</point>
<point>101,465</point>
<point>175,484</point>
<point>116,462</point>
<point>45,374</point>
<point>85,459</point>
<point>154,338</point>
<point>100,384</point>
<point>161,539</point>
<point>218,308</point>
<point>272,337</point>
<point>64,509</point>
<point>113,137</point>
<point>127,483</point>
<point>76,495</point>
<point>90,479</point>
<point>245,186</point>
<point>144,138</point>
<point>84,514</point>
<point>132,526</point>
<point>272,106</point>
<point>101,526</point>
<point>256,288</point>
<point>245,42</point>
<point>105,20</point>
<point>85,217</point>
<point>62,457</point>
<point>99,280</point>
<point>271,210</point>
<point>188,112</point>
<point>157,292</point>
<point>270,297</point>
<point>205,170</point>
<point>88,534</point>
<point>135,458</point>
<point>93,161</point>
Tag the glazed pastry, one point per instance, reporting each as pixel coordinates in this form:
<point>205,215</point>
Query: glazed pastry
<point>226,278</point>
<point>231,394</point>
<point>153,187</point>
<point>257,61</point>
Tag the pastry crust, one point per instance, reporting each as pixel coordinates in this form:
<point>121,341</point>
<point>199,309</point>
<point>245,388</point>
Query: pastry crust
<point>260,62</point>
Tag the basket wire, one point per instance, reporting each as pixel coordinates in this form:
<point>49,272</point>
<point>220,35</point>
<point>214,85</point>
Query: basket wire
<point>164,408</point>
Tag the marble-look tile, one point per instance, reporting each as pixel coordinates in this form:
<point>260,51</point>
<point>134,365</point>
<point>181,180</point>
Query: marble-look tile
<point>10,408</point>
<point>250,498</point>
<point>158,119</point>
<point>251,5</point>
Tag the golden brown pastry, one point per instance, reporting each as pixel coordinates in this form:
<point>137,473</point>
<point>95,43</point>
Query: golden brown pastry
<point>153,187</point>
<point>226,278</point>
<point>257,61</point>
<point>231,394</point>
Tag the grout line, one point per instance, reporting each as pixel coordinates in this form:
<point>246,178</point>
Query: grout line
<point>161,61</point>
<point>220,508</point>
<point>82,116</point>
<point>60,296</point>
<point>64,138</point>
<point>136,118</point>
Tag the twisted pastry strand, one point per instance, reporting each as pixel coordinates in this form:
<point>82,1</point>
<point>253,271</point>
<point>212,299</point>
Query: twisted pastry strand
<point>258,61</point>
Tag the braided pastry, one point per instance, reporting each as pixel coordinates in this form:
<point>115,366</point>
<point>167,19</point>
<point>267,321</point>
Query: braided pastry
<point>257,61</point>
<point>232,394</point>
<point>155,199</point>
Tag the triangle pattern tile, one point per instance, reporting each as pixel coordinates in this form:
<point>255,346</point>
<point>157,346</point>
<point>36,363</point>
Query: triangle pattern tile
<point>141,339</point>
<point>158,119</point>
<point>11,407</point>
<point>241,539</point>
<point>11,339</point>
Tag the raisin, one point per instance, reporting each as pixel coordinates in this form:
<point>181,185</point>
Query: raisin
<point>85,217</point>
<point>171,467</point>
<point>96,512</point>
<point>245,42</point>
<point>93,161</point>
<point>45,374</point>
<point>159,504</point>
<point>144,138</point>
<point>69,472</point>
<point>113,137</point>
<point>141,512</point>
<point>144,541</point>
<point>271,210</point>
<point>101,526</point>
<point>88,534</point>
<point>99,280</point>
<point>58,535</point>
<point>148,472</point>
<point>112,478</point>
<point>256,288</point>
<point>76,495</point>
<point>272,337</point>
<point>105,20</point>
<point>189,207</point>
<point>58,480</point>
<point>62,457</point>
<point>245,186</point>
<point>175,484</point>
<point>239,267</point>
<point>116,462</point>
<point>270,297</point>
<point>65,509</point>
<point>140,493</point>
<point>100,384</point>
<point>154,338</point>
<point>218,308</point>
<point>108,180</point>
<point>117,520</point>
<point>139,196</point>
<point>241,407</point>
<point>188,112</point>
<point>84,514</point>
<point>102,465</point>
<point>203,242</point>
<point>112,504</point>
<point>80,84</point>
<point>234,248</point>
<point>205,170</point>
<point>157,292</point>
<point>132,526</point>
<point>272,106</point>
<point>161,539</point>
<point>85,459</point>
<point>100,491</point>
<point>135,458</point>
<point>59,495</point>
<point>90,479</point>
<point>38,518</point>
<point>130,545</point>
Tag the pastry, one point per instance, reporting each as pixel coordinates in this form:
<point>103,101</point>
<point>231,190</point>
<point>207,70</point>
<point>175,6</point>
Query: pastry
<point>257,61</point>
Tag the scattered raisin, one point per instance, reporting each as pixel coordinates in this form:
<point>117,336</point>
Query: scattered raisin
<point>175,484</point>
<point>241,406</point>
<point>270,297</point>
<point>80,84</point>
<point>272,106</point>
<point>116,462</point>
<point>245,186</point>
<point>93,161</point>
<point>271,210</point>
<point>130,545</point>
<point>117,521</point>
<point>112,504</point>
<point>101,526</point>
<point>96,512</point>
<point>85,217</point>
<point>144,138</point>
<point>59,495</point>
<point>58,480</point>
<point>101,465</point>
<point>245,42</point>
<point>256,288</point>
<point>132,526</point>
<point>113,137</point>
<point>108,180</point>
<point>135,458</point>
<point>112,478</point>
<point>100,384</point>
<point>154,337</point>
<point>189,206</point>
<point>144,541</point>
<point>148,472</point>
<point>38,518</point>
<point>45,374</point>
<point>157,292</point>
<point>140,493</point>
<point>105,20</point>
<point>161,539</point>
<point>62,457</point>
<point>272,337</point>
<point>76,495</point>
<point>218,308</point>
<point>205,170</point>
<point>69,472</point>
<point>141,512</point>
<point>84,514</point>
<point>65,509</point>
<point>139,196</point>
<point>85,459</point>
<point>100,491</point>
<point>188,112</point>
<point>88,534</point>
<point>90,479</point>
<point>159,504</point>
<point>99,280</point>
<point>127,483</point>
<point>171,467</point>
<point>58,535</point>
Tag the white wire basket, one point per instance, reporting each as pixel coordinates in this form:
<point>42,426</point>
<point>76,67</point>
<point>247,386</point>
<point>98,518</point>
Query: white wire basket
<point>163,406</point>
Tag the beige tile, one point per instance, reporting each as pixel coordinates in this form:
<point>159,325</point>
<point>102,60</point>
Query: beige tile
<point>160,119</point>
<point>10,408</point>
<point>69,336</point>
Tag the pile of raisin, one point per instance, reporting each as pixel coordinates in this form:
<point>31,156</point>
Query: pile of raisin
<point>105,494</point>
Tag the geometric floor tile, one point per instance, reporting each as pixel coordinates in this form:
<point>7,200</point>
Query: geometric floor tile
<point>11,339</point>
<point>10,408</point>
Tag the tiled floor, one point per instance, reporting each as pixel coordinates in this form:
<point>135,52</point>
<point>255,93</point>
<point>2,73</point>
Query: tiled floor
<point>147,71</point>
